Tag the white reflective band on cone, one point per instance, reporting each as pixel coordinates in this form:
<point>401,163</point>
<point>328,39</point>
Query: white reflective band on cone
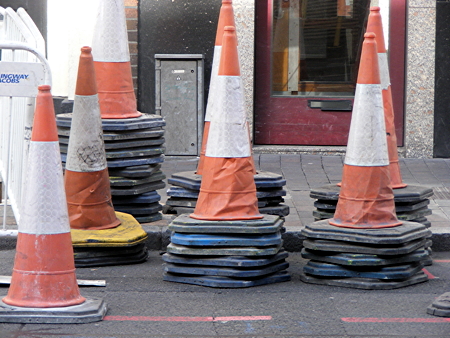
<point>228,131</point>
<point>367,145</point>
<point>45,206</point>
<point>212,97</point>
<point>110,42</point>
<point>384,71</point>
<point>86,151</point>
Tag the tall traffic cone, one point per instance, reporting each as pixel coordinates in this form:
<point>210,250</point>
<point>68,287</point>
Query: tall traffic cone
<point>183,196</point>
<point>95,225</point>
<point>112,62</point>
<point>365,245</point>
<point>226,18</point>
<point>87,184</point>
<point>44,271</point>
<point>228,190</point>
<point>375,25</point>
<point>366,199</point>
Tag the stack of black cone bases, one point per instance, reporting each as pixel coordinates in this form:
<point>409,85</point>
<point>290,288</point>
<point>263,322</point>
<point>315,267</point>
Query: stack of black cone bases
<point>134,153</point>
<point>385,258</point>
<point>221,238</point>
<point>411,202</point>
<point>183,194</point>
<point>228,254</point>
<point>365,244</point>
<point>411,205</point>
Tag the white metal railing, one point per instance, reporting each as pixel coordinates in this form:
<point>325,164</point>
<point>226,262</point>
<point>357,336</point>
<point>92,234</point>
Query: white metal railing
<point>22,52</point>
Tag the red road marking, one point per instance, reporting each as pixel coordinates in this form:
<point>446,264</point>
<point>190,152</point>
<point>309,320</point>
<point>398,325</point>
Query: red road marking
<point>430,276</point>
<point>395,320</point>
<point>186,319</point>
<point>441,260</point>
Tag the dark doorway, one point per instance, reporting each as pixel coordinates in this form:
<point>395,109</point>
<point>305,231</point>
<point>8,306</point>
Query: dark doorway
<point>306,65</point>
<point>173,27</point>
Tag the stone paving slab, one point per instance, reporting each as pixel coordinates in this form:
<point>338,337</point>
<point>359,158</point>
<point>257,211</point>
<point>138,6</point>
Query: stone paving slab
<point>303,172</point>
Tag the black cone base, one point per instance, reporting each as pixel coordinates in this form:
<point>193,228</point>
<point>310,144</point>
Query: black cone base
<point>226,282</point>
<point>183,195</point>
<point>411,202</point>
<point>365,283</point>
<point>441,306</point>
<point>109,256</point>
<point>134,152</point>
<point>384,258</point>
<point>92,310</point>
<point>229,254</point>
<point>355,259</point>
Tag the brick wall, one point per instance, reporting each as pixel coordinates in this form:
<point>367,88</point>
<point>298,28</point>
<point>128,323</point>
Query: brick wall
<point>131,12</point>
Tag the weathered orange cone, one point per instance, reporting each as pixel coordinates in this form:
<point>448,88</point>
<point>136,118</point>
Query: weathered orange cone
<point>226,18</point>
<point>86,181</point>
<point>366,199</point>
<point>375,25</point>
<point>43,287</point>
<point>44,270</point>
<point>228,190</point>
<point>112,62</point>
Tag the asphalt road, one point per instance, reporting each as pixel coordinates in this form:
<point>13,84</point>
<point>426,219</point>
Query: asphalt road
<point>141,304</point>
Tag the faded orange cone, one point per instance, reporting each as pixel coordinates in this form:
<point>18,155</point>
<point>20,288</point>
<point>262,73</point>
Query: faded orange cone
<point>112,62</point>
<point>86,178</point>
<point>228,190</point>
<point>366,199</point>
<point>375,25</point>
<point>226,18</point>
<point>44,270</point>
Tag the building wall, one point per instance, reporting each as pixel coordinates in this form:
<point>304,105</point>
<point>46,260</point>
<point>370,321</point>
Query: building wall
<point>419,119</point>
<point>68,33</point>
<point>441,144</point>
<point>132,18</point>
<point>192,31</point>
<point>420,74</point>
<point>173,27</point>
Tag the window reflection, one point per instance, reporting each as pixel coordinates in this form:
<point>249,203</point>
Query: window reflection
<point>316,46</point>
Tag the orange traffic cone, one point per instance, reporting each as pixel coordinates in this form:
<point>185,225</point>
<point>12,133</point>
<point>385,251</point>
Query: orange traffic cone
<point>38,279</point>
<point>375,25</point>
<point>226,18</point>
<point>366,199</point>
<point>228,190</point>
<point>87,184</point>
<point>112,62</point>
<point>44,270</point>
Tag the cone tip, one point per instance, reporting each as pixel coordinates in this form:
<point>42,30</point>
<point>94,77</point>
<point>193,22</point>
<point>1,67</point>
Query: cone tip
<point>226,1</point>
<point>86,49</point>
<point>44,88</point>
<point>44,124</point>
<point>86,84</point>
<point>369,70</point>
<point>229,60</point>
<point>370,35</point>
<point>374,9</point>
<point>229,28</point>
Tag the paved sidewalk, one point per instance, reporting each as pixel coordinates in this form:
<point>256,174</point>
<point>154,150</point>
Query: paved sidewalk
<point>303,172</point>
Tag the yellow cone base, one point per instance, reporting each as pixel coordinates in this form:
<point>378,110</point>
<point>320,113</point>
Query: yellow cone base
<point>128,233</point>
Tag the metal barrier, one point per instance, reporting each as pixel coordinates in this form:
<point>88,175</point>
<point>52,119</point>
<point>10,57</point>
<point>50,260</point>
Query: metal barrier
<point>23,67</point>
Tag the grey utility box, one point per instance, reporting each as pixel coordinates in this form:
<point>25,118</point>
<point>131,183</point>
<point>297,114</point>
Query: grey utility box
<point>179,100</point>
